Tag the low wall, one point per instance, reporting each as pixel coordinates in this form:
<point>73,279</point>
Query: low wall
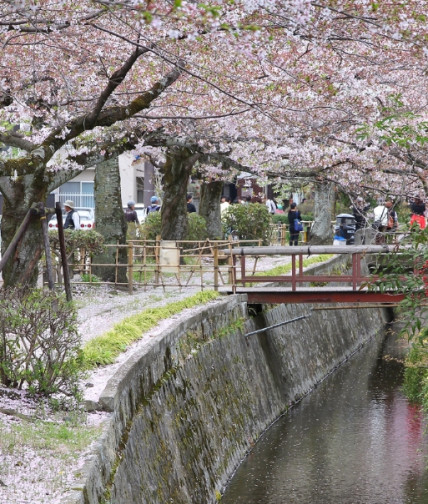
<point>187,408</point>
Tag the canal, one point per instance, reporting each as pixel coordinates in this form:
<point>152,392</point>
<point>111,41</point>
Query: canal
<point>354,440</point>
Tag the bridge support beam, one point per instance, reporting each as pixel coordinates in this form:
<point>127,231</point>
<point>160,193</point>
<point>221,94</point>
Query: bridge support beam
<point>301,296</point>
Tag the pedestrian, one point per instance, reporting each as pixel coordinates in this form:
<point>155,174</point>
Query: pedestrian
<point>359,211</point>
<point>190,206</point>
<point>293,216</point>
<point>392,223</point>
<point>131,214</point>
<point>380,222</point>
<point>417,207</point>
<point>72,219</point>
<point>154,205</point>
<point>224,205</point>
<point>380,217</point>
<point>271,206</point>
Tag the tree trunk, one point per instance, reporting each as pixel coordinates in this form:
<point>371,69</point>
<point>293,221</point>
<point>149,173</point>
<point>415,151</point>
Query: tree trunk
<point>22,267</point>
<point>175,177</point>
<point>321,232</point>
<point>209,208</point>
<point>110,220</point>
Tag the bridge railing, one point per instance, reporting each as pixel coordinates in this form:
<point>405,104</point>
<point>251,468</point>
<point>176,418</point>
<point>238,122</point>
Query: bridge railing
<point>240,275</point>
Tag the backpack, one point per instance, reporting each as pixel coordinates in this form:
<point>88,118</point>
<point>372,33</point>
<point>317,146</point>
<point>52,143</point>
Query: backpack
<point>153,209</point>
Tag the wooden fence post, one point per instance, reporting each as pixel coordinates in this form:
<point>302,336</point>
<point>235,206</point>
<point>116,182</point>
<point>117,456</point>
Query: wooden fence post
<point>130,266</point>
<point>49,268</point>
<point>157,260</point>
<point>216,266</point>
<point>61,239</point>
<point>230,261</point>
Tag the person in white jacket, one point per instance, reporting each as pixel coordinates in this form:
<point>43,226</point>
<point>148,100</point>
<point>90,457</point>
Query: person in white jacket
<point>380,221</point>
<point>380,217</point>
<point>271,206</point>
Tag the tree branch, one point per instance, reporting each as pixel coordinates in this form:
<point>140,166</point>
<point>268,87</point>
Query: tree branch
<point>111,115</point>
<point>114,81</point>
<point>15,140</point>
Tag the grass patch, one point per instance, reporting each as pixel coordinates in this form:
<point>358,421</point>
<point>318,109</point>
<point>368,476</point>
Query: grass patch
<point>66,439</point>
<point>104,349</point>
<point>92,279</point>
<point>286,268</point>
<point>415,384</point>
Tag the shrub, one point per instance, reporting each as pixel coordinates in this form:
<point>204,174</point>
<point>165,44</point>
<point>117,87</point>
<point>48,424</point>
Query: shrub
<point>280,218</point>
<point>91,241</point>
<point>151,227</point>
<point>39,342</point>
<point>196,227</point>
<point>251,222</point>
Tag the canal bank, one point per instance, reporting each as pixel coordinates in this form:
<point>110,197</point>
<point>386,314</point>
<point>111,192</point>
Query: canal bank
<point>187,407</point>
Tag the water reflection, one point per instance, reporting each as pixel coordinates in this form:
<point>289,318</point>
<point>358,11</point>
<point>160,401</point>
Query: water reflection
<point>354,440</point>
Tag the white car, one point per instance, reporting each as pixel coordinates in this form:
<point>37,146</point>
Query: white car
<point>87,218</point>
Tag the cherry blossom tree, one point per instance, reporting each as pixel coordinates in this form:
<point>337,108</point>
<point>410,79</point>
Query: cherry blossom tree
<point>297,89</point>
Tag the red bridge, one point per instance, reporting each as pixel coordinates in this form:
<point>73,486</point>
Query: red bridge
<point>297,288</point>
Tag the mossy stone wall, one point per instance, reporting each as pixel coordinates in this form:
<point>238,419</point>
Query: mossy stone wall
<point>190,405</point>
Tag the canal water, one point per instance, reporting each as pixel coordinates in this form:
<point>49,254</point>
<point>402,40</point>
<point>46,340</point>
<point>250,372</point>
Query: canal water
<point>354,440</point>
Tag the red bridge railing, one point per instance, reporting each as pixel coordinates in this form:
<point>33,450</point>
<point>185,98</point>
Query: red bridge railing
<point>296,286</point>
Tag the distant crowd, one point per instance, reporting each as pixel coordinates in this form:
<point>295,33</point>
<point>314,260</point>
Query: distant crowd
<point>383,217</point>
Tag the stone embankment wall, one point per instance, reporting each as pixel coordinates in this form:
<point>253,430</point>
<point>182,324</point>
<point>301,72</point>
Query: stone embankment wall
<point>187,408</point>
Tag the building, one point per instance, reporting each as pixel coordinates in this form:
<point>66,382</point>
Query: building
<point>137,183</point>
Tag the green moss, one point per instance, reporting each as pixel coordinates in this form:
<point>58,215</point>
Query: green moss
<point>103,349</point>
<point>237,325</point>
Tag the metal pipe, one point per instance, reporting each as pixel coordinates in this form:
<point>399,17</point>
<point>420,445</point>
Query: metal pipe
<point>315,249</point>
<point>277,325</point>
<point>358,307</point>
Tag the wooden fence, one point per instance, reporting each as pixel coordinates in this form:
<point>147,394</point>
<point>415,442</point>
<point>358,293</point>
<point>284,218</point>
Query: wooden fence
<point>161,263</point>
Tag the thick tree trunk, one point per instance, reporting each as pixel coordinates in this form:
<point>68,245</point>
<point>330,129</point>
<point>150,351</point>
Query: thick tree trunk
<point>175,177</point>
<point>321,232</point>
<point>22,267</point>
<point>209,208</point>
<point>110,220</point>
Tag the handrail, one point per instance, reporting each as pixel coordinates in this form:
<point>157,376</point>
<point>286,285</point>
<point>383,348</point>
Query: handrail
<point>313,249</point>
<point>297,277</point>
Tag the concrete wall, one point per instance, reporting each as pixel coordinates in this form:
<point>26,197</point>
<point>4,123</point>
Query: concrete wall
<point>188,406</point>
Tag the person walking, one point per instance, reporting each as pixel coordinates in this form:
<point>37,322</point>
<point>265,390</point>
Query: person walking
<point>293,215</point>
<point>359,211</point>
<point>190,206</point>
<point>380,222</point>
<point>72,219</point>
<point>131,214</point>
<point>271,206</point>
<point>417,207</point>
<point>224,205</point>
<point>392,223</point>
<point>154,205</point>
